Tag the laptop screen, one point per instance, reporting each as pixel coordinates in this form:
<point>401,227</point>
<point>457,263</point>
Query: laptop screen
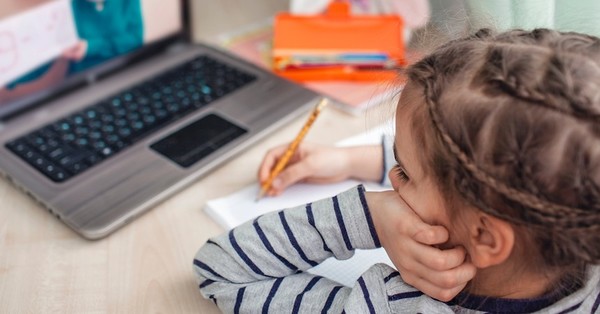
<point>48,45</point>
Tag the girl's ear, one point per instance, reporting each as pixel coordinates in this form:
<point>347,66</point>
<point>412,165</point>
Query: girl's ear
<point>491,240</point>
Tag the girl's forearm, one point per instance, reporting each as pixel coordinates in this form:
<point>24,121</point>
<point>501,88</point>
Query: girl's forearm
<point>366,162</point>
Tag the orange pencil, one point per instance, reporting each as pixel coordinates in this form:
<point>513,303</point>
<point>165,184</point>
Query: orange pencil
<point>283,161</point>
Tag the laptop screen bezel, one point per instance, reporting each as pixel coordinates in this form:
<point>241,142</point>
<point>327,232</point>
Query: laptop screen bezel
<point>99,72</point>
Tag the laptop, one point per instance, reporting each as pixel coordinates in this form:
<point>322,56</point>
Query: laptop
<point>106,108</point>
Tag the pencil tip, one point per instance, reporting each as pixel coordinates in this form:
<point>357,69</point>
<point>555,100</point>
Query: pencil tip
<point>260,194</point>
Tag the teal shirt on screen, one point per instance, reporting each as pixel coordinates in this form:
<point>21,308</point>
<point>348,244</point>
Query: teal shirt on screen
<point>115,30</point>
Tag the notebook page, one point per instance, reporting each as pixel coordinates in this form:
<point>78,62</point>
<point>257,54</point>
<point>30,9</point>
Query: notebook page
<point>239,207</point>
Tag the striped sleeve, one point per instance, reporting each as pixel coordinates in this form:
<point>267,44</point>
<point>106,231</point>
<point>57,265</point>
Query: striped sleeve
<point>259,267</point>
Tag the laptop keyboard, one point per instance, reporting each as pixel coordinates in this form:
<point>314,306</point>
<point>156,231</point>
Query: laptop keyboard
<point>74,144</point>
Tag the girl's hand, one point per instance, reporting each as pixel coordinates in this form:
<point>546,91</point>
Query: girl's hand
<point>323,164</point>
<point>310,163</point>
<point>409,242</point>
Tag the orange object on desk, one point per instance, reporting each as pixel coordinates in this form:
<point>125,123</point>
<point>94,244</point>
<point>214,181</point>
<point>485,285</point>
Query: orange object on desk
<point>337,33</point>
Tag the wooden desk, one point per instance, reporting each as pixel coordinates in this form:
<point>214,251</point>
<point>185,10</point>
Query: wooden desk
<point>145,267</point>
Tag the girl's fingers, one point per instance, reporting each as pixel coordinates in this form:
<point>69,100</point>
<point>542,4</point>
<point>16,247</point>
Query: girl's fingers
<point>416,229</point>
<point>434,258</point>
<point>433,290</point>
<point>413,272</point>
<point>290,175</point>
<point>269,162</point>
<point>429,234</point>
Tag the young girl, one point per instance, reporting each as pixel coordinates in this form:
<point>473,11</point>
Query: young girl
<point>498,141</point>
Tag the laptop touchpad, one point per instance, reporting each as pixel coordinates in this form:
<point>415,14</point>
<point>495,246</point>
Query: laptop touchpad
<point>198,140</point>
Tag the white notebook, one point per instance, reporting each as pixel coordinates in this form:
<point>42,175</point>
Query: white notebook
<point>239,207</point>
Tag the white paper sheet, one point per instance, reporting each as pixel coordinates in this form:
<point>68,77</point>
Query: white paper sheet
<point>34,37</point>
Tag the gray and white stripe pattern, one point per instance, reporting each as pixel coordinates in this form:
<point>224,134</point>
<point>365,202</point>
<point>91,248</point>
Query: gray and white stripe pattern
<point>259,267</point>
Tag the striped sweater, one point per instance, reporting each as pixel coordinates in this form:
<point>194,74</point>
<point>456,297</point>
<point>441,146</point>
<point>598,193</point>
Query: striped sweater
<point>260,267</point>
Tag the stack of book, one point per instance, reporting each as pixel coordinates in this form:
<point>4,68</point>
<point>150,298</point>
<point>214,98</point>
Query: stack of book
<point>337,45</point>
<point>332,58</point>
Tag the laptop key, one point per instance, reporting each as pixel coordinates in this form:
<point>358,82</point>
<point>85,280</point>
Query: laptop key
<point>60,152</point>
<point>76,157</point>
<point>35,140</point>
<point>18,147</point>
<point>48,132</point>
<point>58,176</point>
<point>44,148</point>
<point>55,173</point>
<point>93,160</point>
<point>107,152</point>
<point>76,168</point>
<point>76,163</point>
<point>68,137</point>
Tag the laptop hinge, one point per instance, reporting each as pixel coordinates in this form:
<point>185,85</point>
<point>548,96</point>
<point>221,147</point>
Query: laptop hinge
<point>176,48</point>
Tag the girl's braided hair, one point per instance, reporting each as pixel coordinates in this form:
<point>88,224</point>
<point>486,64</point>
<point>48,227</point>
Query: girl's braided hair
<point>515,122</point>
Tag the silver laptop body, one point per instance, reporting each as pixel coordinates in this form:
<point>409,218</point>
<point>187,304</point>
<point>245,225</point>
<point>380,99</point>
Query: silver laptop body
<point>113,192</point>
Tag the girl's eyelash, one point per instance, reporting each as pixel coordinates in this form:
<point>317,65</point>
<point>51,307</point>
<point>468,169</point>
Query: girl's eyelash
<point>401,173</point>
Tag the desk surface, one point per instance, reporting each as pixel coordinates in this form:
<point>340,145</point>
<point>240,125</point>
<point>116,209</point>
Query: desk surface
<point>145,266</point>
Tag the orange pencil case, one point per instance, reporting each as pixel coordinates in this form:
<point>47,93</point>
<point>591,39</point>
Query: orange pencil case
<point>333,36</point>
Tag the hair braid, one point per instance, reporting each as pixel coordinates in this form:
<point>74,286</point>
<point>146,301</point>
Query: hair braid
<point>543,210</point>
<point>567,55</point>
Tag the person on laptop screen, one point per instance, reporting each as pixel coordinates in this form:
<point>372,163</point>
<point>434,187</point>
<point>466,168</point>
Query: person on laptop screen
<point>100,32</point>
